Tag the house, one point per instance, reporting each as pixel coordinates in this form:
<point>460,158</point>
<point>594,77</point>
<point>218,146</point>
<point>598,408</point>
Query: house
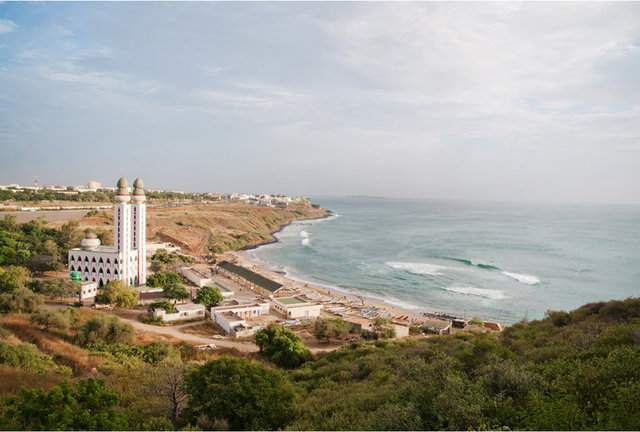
<point>252,280</point>
<point>295,307</point>
<point>195,276</point>
<point>184,312</point>
<point>233,324</point>
<point>359,325</point>
<point>493,326</point>
<point>246,311</point>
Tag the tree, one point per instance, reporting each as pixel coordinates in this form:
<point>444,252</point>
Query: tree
<point>330,328</point>
<point>175,291</point>
<point>118,294</point>
<point>208,296</point>
<point>86,405</point>
<point>167,381</point>
<point>384,328</point>
<point>13,278</point>
<point>62,287</point>
<point>282,346</point>
<point>20,300</point>
<point>247,396</point>
<point>104,330</point>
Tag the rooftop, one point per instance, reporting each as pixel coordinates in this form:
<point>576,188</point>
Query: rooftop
<point>189,307</point>
<point>230,316</point>
<point>290,300</point>
<point>250,276</point>
<point>220,287</point>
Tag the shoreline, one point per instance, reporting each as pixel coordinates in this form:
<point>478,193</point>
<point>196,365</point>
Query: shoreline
<point>398,314</point>
<point>281,227</point>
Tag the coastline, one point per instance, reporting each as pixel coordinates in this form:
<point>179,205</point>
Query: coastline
<point>399,314</point>
<point>280,227</point>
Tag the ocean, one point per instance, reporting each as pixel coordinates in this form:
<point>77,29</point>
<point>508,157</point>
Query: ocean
<point>501,262</point>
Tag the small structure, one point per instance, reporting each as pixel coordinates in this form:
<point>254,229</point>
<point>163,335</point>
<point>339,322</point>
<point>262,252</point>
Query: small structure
<point>246,311</point>
<point>233,324</point>
<point>460,323</point>
<point>359,325</point>
<point>295,307</point>
<point>437,330</point>
<point>226,292</point>
<point>184,312</point>
<point>493,326</point>
<point>150,295</point>
<point>88,290</point>
<point>195,276</point>
<point>250,279</point>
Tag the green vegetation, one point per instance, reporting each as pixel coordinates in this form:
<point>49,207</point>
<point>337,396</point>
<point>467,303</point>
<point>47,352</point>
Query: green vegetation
<point>238,395</point>
<point>163,304</point>
<point>27,357</point>
<point>175,292</point>
<point>118,294</point>
<point>331,328</point>
<point>24,244</point>
<point>164,257</point>
<point>20,300</point>
<point>60,319</point>
<point>162,279</point>
<point>104,330</point>
<point>60,287</point>
<point>282,346</point>
<point>86,405</point>
<point>569,371</point>
<point>384,328</point>
<point>208,296</point>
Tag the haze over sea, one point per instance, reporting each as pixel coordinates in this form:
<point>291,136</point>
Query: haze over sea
<point>502,262</point>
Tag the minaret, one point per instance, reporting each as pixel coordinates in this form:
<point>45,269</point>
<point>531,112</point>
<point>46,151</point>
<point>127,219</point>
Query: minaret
<point>122,228</point>
<point>139,223</point>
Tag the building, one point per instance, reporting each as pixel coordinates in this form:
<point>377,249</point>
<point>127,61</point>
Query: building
<point>295,307</point>
<point>92,184</point>
<point>195,276</point>
<point>252,280</point>
<point>245,311</point>
<point>226,293</point>
<point>233,324</point>
<point>126,259</point>
<point>184,312</point>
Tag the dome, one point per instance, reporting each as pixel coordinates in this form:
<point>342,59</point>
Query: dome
<point>122,195</point>
<point>123,183</point>
<point>90,241</point>
<point>138,191</point>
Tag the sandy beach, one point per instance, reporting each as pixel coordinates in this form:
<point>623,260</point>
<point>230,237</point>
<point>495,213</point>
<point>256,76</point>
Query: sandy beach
<point>340,299</point>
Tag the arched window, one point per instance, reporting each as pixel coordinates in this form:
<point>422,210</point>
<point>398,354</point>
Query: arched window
<point>101,283</point>
<point>108,271</point>
<point>100,271</point>
<point>100,261</point>
<point>93,260</point>
<point>108,260</point>
<point>115,272</point>
<point>86,269</point>
<point>86,259</point>
<point>115,261</point>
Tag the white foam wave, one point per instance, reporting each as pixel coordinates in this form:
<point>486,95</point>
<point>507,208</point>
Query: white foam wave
<point>419,268</point>
<point>522,278</point>
<point>304,234</point>
<point>479,292</point>
<point>305,241</point>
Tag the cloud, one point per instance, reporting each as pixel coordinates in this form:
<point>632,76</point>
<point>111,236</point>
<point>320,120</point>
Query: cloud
<point>7,26</point>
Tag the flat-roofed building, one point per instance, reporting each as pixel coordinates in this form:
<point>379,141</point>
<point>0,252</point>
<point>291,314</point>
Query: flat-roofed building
<point>198,278</point>
<point>233,324</point>
<point>295,307</point>
<point>254,309</point>
<point>252,280</point>
<point>183,312</point>
<point>226,292</point>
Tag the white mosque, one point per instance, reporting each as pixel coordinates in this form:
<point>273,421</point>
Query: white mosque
<point>126,259</point>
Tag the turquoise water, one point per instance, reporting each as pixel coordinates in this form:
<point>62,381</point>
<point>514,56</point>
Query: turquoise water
<point>502,262</point>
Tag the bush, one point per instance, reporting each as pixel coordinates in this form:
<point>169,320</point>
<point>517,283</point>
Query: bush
<point>327,328</point>
<point>118,294</point>
<point>384,328</point>
<point>163,304</point>
<point>46,318</point>
<point>282,346</point>
<point>104,330</point>
<point>162,279</point>
<point>20,300</point>
<point>175,291</point>
<point>28,357</point>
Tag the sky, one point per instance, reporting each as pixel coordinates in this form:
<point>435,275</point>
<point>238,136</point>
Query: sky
<point>494,101</point>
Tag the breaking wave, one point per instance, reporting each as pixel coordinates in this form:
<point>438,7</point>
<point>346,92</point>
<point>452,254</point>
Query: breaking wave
<point>419,268</point>
<point>473,263</point>
<point>492,294</point>
<point>523,278</point>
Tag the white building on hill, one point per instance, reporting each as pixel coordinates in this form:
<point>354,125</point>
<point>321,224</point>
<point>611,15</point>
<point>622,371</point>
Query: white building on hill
<point>126,259</point>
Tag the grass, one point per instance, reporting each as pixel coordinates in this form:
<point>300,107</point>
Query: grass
<point>207,328</point>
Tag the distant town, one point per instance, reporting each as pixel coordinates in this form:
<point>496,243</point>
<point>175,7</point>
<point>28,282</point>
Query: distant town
<point>93,191</point>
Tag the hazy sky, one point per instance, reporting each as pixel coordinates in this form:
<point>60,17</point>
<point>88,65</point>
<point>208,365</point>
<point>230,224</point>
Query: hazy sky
<point>496,101</point>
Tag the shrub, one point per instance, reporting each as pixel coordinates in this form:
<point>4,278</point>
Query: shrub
<point>327,328</point>
<point>208,296</point>
<point>28,357</point>
<point>282,346</point>
<point>118,294</point>
<point>104,330</point>
<point>46,318</point>
<point>163,304</point>
<point>20,300</point>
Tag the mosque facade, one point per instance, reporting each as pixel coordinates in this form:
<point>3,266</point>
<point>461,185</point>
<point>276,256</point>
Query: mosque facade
<point>126,260</point>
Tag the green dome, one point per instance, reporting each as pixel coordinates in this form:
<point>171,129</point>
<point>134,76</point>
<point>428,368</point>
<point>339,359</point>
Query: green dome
<point>123,183</point>
<point>138,183</point>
